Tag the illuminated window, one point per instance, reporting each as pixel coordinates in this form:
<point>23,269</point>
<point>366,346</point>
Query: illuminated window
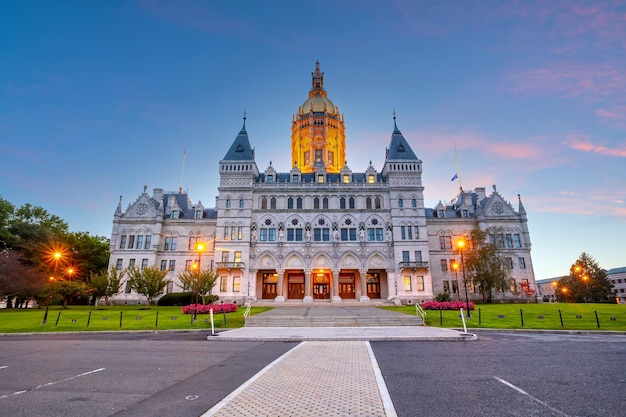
<point>371,179</point>
<point>346,178</point>
<point>236,284</point>
<point>419,283</point>
<point>172,265</point>
<point>407,284</point>
<point>320,178</point>
<point>223,284</point>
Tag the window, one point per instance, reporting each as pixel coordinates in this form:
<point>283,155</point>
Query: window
<point>325,203</point>
<point>192,243</point>
<point>500,240</point>
<point>368,202</point>
<point>118,264</point>
<point>414,203</point>
<point>148,242</point>
<point>198,214</point>
<point>294,234</point>
<point>294,178</point>
<point>407,284</point>
<point>444,265</point>
<point>418,256</point>
<point>188,265</point>
<point>131,241</point>
<point>371,179</point>
<point>403,232</point>
<point>270,178</point>
<point>228,203</point>
<point>236,284</point>
<point>144,264</point>
<point>509,262</point>
<point>452,263</point>
<point>346,178</point>
<point>225,256</point>
<point>320,234</point>
<point>518,242</point>
<point>464,213</point>
<point>170,287</point>
<point>400,203</point>
<point>320,178</point>
<point>237,256</point>
<point>223,284</point>
<point>417,232</point>
<point>377,203</point>
<point>455,287</point>
<point>440,213</point>
<point>290,203</point>
<point>241,203</point>
<point>140,242</point>
<point>264,203</point>
<point>273,203</point>
<point>446,286</point>
<point>522,263</point>
<point>127,288</point>
<point>419,283</point>
<point>405,256</point>
<point>299,202</point>
<point>232,233</point>
<point>348,233</point>
<point>351,202</point>
<point>170,243</point>
<point>239,232</point>
<point>445,242</point>
<point>342,203</point>
<point>509,240</point>
<point>410,230</point>
<point>131,263</point>
<point>172,265</point>
<point>226,232</point>
<point>163,265</point>
<point>316,203</point>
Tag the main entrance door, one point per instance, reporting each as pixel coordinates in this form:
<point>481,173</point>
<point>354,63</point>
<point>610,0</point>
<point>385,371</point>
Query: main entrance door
<point>373,285</point>
<point>295,286</point>
<point>321,286</point>
<point>346,285</point>
<point>270,285</point>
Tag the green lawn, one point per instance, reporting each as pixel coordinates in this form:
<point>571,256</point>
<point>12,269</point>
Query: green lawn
<point>82,318</point>
<point>535,316</point>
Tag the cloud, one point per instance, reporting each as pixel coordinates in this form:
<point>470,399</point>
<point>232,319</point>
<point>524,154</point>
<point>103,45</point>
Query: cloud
<point>598,202</point>
<point>584,144</point>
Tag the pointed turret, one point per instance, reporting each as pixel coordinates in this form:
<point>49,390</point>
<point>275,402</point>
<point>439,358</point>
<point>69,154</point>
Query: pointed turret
<point>240,150</point>
<point>399,148</point>
<point>520,209</point>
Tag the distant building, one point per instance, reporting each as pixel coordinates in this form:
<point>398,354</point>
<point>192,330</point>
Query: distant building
<point>546,289</point>
<point>319,231</point>
<point>618,279</point>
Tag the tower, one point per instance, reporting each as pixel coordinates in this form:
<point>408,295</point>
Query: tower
<point>318,137</point>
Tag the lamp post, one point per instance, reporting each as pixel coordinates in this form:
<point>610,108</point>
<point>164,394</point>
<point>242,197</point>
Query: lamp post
<point>56,257</point>
<point>461,245</point>
<point>455,268</point>
<point>199,248</point>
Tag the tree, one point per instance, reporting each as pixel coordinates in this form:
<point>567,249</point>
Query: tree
<point>485,265</point>
<point>68,289</point>
<point>18,281</point>
<point>89,254</point>
<point>106,284</point>
<point>149,282</point>
<point>200,283</point>
<point>586,282</point>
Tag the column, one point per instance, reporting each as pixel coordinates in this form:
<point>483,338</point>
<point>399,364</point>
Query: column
<point>280,298</point>
<point>335,297</point>
<point>307,287</point>
<point>364,298</point>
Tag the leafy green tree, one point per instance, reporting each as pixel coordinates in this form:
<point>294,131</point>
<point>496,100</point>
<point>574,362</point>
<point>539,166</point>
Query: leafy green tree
<point>200,283</point>
<point>69,289</point>
<point>18,282</point>
<point>106,284</point>
<point>6,214</point>
<point>149,282</point>
<point>485,264</point>
<point>89,254</point>
<point>586,282</point>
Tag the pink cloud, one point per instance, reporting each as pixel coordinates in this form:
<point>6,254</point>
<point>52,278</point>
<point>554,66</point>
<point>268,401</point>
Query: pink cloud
<point>582,143</point>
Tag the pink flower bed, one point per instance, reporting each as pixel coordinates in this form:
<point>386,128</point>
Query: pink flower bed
<point>204,309</point>
<point>447,305</point>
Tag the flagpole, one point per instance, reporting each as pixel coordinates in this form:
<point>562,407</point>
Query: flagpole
<point>182,171</point>
<point>458,168</point>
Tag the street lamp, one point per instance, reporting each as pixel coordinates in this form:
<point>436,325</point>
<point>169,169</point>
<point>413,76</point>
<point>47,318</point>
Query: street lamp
<point>461,245</point>
<point>56,257</point>
<point>199,248</point>
<point>455,268</point>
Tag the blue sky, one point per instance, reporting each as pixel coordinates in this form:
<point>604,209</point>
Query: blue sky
<point>99,98</point>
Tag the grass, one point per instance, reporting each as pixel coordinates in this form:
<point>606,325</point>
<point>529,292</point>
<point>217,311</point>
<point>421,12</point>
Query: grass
<point>86,318</point>
<point>535,316</point>
<point>501,316</point>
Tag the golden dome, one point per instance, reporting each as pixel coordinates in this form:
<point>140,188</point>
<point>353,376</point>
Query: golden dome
<point>317,103</point>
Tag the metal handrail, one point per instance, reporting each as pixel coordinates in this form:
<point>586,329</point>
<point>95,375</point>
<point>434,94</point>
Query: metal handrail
<point>247,312</point>
<point>419,311</point>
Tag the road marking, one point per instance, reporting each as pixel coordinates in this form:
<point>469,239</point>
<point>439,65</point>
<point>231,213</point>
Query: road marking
<point>390,410</point>
<point>521,391</point>
<point>52,383</point>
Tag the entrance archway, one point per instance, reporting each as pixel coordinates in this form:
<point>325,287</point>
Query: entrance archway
<point>321,285</point>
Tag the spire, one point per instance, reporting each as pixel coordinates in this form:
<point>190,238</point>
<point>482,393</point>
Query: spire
<point>118,210</point>
<point>399,148</point>
<point>240,150</point>
<point>521,210</point>
<point>317,82</point>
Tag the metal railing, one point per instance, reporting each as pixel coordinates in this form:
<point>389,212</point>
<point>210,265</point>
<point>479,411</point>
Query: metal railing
<point>231,265</point>
<point>246,314</point>
<point>419,311</point>
<point>415,264</point>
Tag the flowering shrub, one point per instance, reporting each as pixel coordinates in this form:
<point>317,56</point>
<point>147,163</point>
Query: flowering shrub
<point>525,287</point>
<point>447,305</point>
<point>205,308</point>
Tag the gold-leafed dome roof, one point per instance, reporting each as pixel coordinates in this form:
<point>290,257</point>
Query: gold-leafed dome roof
<point>317,103</point>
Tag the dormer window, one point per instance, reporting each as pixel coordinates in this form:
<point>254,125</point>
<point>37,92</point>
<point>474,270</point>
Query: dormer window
<point>346,178</point>
<point>371,179</point>
<point>270,178</point>
<point>294,178</point>
<point>464,213</point>
<point>320,178</point>
<point>440,213</point>
<point>198,214</point>
<point>174,214</point>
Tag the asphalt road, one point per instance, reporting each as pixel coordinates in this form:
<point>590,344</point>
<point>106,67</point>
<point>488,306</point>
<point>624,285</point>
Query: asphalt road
<point>173,374</point>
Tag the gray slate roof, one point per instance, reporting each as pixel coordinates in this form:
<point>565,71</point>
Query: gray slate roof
<point>240,150</point>
<point>399,148</point>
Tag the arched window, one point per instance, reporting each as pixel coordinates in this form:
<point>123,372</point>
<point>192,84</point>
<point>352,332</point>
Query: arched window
<point>400,203</point>
<point>273,203</point>
<point>316,203</point>
<point>368,202</point>
<point>264,203</point>
<point>228,203</point>
<point>299,202</point>
<point>351,202</point>
<point>290,203</point>
<point>377,202</point>
<point>342,203</point>
<point>325,203</point>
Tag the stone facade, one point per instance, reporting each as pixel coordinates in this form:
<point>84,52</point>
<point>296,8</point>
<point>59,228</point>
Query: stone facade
<point>319,231</point>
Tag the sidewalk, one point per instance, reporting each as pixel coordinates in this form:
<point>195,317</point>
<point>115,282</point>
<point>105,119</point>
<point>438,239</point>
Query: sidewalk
<point>313,379</point>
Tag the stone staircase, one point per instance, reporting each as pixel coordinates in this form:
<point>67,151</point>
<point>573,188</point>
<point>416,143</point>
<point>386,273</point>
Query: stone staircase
<point>377,318</point>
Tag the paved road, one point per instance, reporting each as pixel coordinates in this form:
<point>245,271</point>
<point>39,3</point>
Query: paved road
<point>184,375</point>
